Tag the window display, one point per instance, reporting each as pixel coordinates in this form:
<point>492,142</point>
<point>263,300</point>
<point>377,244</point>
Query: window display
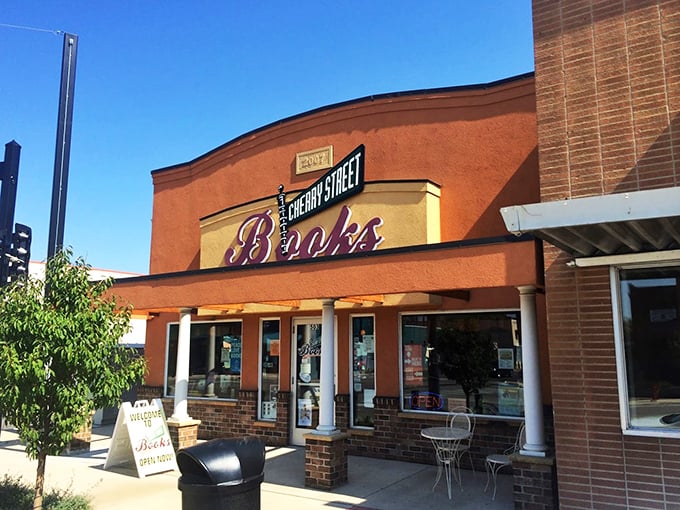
<point>214,359</point>
<point>453,360</point>
<point>649,340</point>
<point>363,371</point>
<point>269,362</point>
<point>307,372</point>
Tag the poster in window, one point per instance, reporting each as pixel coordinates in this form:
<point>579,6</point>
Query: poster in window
<point>369,395</point>
<point>510,399</point>
<point>413,364</point>
<point>274,347</point>
<point>225,354</point>
<point>369,343</point>
<point>304,412</point>
<point>506,359</point>
<point>235,355</point>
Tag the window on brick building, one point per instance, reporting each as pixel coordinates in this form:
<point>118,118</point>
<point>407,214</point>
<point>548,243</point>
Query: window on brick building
<point>214,359</point>
<point>454,360</point>
<point>648,348</point>
<point>270,341</point>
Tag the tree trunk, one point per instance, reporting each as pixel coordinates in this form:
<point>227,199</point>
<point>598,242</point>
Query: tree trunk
<point>39,482</point>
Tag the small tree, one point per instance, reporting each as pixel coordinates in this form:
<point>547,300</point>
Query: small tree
<point>470,357</point>
<point>60,357</point>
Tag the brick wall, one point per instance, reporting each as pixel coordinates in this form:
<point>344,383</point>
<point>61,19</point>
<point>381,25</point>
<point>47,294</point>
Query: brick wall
<point>535,487</point>
<point>607,93</point>
<point>396,434</point>
<point>226,419</point>
<point>608,112</point>
<point>325,461</point>
<point>150,393</point>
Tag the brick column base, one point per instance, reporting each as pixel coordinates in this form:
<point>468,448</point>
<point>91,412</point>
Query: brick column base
<point>535,482</point>
<point>325,460</point>
<point>81,440</point>
<point>183,433</point>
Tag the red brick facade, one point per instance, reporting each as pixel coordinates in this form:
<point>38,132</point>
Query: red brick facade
<point>325,461</point>
<point>608,112</point>
<point>396,434</point>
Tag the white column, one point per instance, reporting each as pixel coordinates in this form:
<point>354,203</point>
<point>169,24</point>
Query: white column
<point>182,371</point>
<point>327,383</point>
<point>531,369</point>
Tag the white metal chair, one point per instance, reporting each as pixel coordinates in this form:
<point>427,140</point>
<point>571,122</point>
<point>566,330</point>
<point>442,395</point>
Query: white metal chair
<point>496,461</point>
<point>463,446</point>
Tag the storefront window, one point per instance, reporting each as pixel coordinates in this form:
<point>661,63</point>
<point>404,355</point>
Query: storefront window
<point>650,344</point>
<point>269,362</point>
<point>214,359</point>
<point>464,360</point>
<point>363,371</point>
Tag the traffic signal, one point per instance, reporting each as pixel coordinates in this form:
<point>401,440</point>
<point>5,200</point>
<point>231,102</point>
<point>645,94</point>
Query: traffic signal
<point>20,252</point>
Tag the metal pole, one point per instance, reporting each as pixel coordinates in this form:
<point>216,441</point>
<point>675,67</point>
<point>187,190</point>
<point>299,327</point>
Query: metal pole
<point>63,144</point>
<point>9,175</point>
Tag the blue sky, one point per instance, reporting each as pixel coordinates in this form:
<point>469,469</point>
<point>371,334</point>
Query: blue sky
<point>160,83</point>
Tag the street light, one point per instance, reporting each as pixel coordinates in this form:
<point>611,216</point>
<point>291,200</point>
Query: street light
<point>63,145</point>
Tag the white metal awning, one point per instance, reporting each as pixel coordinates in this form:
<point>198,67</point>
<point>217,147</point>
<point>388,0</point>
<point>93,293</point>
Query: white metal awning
<point>639,221</point>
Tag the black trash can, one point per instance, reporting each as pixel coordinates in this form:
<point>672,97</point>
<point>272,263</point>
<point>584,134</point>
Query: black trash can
<point>221,474</point>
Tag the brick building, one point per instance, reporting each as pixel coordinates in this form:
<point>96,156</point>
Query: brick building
<point>608,116</point>
<point>586,162</point>
<point>356,336</point>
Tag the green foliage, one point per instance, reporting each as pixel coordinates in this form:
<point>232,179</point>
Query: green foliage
<point>59,353</point>
<point>470,357</point>
<point>15,495</point>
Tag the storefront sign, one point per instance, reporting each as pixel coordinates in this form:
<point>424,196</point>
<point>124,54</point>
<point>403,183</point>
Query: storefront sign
<point>427,400</point>
<point>310,350</point>
<point>283,220</point>
<point>141,436</point>
<point>384,215</point>
<point>254,243</point>
<point>340,182</point>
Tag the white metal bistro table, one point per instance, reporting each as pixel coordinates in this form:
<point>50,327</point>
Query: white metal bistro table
<point>445,441</point>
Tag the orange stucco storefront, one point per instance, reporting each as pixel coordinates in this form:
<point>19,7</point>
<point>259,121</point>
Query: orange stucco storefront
<point>393,235</point>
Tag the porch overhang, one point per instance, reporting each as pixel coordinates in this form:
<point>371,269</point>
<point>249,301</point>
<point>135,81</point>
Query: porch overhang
<point>616,224</point>
<point>366,279</point>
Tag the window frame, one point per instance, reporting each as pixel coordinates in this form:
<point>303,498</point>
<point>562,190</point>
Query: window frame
<point>620,353</point>
<point>167,358</point>
<point>352,425</point>
<point>490,417</point>
<point>259,370</point>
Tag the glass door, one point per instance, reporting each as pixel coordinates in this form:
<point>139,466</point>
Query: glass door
<point>306,372</point>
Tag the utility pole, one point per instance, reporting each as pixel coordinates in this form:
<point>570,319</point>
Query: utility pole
<point>63,145</point>
<point>9,175</point>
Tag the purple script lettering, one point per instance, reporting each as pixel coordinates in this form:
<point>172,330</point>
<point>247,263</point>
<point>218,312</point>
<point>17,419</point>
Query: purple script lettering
<point>254,240</point>
<point>254,243</point>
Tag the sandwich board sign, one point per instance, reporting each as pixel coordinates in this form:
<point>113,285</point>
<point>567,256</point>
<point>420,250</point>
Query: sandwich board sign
<point>141,436</point>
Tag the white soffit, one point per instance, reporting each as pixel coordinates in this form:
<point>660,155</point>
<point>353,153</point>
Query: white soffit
<point>639,221</point>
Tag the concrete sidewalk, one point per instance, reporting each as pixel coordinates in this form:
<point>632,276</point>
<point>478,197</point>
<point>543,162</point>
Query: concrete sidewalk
<point>373,483</point>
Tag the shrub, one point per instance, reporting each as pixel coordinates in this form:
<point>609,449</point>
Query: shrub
<point>16,495</point>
